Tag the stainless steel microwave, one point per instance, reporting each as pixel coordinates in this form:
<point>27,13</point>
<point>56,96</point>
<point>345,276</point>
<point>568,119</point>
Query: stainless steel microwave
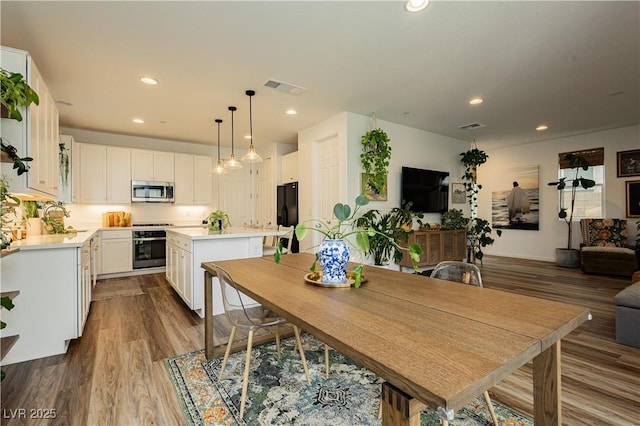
<point>151,192</point>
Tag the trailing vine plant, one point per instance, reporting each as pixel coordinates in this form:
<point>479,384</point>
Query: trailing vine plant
<point>19,163</point>
<point>375,157</point>
<point>63,161</point>
<point>478,229</point>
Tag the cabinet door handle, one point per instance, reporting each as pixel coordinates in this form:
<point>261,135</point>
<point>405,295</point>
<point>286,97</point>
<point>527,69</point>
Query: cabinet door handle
<point>41,182</point>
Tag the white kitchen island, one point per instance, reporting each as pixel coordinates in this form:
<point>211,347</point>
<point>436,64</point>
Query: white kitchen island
<point>188,248</point>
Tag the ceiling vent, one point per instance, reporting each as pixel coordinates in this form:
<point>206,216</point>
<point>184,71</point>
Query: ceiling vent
<point>472,126</point>
<point>285,87</point>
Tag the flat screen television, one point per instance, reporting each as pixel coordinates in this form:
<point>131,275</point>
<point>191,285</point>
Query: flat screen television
<point>428,190</point>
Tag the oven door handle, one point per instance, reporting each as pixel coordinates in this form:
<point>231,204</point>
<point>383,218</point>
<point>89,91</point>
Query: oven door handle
<point>150,239</point>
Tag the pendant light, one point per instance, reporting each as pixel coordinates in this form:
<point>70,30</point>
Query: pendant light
<point>251,156</point>
<point>219,168</point>
<point>232,163</point>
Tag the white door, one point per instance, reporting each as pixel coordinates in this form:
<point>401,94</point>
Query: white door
<point>328,184</point>
<point>235,195</point>
<point>266,193</point>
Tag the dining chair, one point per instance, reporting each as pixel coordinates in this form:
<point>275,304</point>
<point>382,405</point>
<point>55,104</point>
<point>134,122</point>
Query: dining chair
<point>249,317</point>
<point>465,273</point>
<point>269,243</point>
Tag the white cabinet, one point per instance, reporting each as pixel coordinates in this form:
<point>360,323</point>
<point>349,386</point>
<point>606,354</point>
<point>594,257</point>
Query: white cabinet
<point>179,267</point>
<point>152,165</point>
<point>36,135</point>
<point>84,285</point>
<point>193,179</point>
<point>116,251</point>
<point>101,174</point>
<point>289,167</point>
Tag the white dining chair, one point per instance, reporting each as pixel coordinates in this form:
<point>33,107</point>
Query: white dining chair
<point>465,273</point>
<point>250,318</point>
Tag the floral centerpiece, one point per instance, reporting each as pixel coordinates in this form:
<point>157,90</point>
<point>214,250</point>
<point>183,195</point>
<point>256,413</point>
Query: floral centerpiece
<point>218,221</point>
<point>333,252</point>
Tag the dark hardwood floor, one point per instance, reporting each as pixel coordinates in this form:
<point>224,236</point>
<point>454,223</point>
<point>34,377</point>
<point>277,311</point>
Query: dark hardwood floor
<point>115,375</point>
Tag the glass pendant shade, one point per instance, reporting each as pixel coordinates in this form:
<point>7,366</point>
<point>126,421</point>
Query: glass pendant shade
<point>251,156</point>
<point>232,163</point>
<point>219,168</point>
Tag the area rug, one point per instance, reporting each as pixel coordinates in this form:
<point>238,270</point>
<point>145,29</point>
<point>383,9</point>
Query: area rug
<point>115,288</point>
<point>278,392</point>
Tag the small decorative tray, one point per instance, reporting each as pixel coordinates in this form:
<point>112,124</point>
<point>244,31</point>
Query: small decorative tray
<point>315,278</point>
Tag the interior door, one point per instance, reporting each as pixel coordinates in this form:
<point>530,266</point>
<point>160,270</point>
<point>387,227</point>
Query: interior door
<point>328,184</point>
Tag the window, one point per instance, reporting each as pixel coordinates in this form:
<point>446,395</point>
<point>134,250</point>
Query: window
<point>589,202</point>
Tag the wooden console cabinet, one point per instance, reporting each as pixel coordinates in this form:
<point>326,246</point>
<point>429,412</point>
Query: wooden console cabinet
<point>437,246</point>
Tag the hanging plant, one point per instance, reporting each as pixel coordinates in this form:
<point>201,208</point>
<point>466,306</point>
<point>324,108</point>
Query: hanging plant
<point>63,162</point>
<point>15,93</point>
<point>375,157</point>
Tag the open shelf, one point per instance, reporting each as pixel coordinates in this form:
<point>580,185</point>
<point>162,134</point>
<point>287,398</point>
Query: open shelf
<point>7,343</point>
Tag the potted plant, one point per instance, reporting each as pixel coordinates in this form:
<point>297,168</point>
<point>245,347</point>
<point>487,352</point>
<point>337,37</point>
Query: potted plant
<point>570,257</point>
<point>10,151</point>
<point>15,93</point>
<point>453,219</point>
<point>7,212</point>
<point>53,218</point>
<point>32,217</point>
<point>218,221</point>
<point>375,157</point>
<point>333,253</point>
<point>389,228</point>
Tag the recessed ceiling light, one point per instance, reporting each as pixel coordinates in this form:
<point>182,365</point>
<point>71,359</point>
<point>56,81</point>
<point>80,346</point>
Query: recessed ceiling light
<point>292,112</point>
<point>476,101</point>
<point>542,127</point>
<point>148,80</point>
<point>138,120</point>
<point>416,5</point>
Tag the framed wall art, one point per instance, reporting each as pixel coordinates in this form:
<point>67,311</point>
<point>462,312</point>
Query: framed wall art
<point>633,198</point>
<point>458,193</point>
<point>629,163</point>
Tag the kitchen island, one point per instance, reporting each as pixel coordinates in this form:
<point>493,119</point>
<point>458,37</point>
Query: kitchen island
<point>188,248</point>
<point>53,275</point>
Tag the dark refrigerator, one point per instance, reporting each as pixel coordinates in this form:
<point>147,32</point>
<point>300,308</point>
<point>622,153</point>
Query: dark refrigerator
<point>287,205</point>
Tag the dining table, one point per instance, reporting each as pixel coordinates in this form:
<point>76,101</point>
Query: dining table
<point>435,343</point>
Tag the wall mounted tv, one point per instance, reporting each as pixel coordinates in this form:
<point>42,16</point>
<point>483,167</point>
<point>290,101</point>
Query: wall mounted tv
<point>428,190</point>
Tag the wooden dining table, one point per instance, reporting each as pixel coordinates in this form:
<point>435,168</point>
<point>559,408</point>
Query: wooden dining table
<point>435,343</point>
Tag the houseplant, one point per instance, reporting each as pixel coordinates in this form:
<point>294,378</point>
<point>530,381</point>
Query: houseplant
<point>389,228</point>
<point>570,257</point>
<point>7,212</point>
<point>453,219</point>
<point>375,157</point>
<point>53,218</point>
<point>19,163</point>
<point>218,221</point>
<point>15,93</point>
<point>32,217</point>
<point>333,253</point>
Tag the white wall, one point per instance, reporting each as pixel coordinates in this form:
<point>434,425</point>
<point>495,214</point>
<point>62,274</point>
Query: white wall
<point>541,244</point>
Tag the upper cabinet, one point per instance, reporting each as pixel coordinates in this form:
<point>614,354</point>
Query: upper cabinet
<point>101,174</point>
<point>289,167</point>
<point>193,179</point>
<point>155,166</point>
<point>35,136</point>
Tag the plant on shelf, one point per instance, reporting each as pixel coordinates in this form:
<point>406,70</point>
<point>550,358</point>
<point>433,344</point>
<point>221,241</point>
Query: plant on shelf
<point>453,219</point>
<point>19,163</point>
<point>218,221</point>
<point>568,256</point>
<point>7,212</point>
<point>15,93</point>
<point>389,228</point>
<point>375,157</point>
<point>333,253</point>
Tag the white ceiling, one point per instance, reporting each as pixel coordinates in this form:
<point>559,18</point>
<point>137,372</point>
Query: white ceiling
<point>533,62</point>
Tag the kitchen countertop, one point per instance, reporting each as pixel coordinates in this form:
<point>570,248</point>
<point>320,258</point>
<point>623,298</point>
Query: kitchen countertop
<point>202,233</point>
<point>49,241</point>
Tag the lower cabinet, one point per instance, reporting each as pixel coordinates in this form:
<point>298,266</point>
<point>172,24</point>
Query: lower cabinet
<point>84,285</point>
<point>179,267</point>
<point>437,246</point>
<point>116,251</point>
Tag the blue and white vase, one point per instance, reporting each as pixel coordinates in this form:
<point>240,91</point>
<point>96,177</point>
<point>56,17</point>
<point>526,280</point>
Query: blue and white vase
<point>334,256</point>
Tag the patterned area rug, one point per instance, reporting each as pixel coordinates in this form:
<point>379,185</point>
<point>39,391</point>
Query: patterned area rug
<point>278,393</point>
<point>115,288</point>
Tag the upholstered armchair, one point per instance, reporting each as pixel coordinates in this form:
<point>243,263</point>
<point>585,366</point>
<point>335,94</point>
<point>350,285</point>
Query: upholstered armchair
<point>605,247</point>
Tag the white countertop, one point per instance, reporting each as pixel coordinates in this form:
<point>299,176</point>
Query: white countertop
<point>203,233</point>
<point>49,241</point>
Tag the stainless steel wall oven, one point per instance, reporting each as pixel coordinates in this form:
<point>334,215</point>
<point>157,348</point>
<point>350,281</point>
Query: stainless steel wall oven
<point>149,248</point>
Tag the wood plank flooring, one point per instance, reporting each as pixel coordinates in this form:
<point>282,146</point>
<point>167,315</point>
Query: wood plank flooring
<point>114,374</point>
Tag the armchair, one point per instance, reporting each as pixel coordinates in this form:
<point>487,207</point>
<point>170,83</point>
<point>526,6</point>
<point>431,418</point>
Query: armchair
<point>605,247</point>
